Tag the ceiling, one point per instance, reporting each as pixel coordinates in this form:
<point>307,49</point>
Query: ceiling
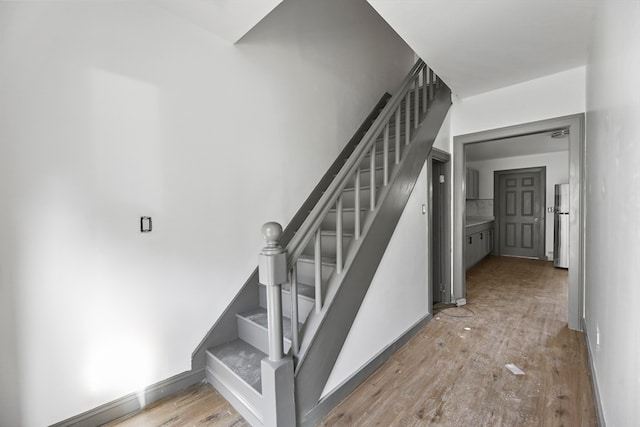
<point>517,146</point>
<point>481,45</point>
<point>474,45</point>
<point>228,19</point>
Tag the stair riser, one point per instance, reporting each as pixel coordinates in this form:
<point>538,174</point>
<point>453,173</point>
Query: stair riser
<point>348,221</point>
<point>328,246</point>
<point>306,270</point>
<point>305,304</point>
<point>348,199</point>
<point>258,337</point>
<point>365,175</point>
<point>234,389</point>
<point>366,161</point>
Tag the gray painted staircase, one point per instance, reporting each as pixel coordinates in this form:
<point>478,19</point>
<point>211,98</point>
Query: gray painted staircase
<point>236,364</point>
<point>234,350</point>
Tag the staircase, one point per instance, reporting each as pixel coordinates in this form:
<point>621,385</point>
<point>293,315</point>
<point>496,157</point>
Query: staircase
<point>272,351</point>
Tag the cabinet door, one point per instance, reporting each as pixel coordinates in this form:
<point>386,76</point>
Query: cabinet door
<point>473,184</point>
<point>490,241</point>
<point>468,252</point>
<point>480,246</point>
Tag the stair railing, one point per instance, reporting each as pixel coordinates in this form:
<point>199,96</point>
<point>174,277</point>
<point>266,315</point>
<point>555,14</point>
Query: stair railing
<point>420,82</point>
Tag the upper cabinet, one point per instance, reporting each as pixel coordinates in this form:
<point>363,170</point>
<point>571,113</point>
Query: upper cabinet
<point>473,184</point>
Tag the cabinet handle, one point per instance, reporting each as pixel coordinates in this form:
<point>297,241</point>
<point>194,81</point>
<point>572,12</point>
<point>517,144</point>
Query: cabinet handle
<point>470,240</point>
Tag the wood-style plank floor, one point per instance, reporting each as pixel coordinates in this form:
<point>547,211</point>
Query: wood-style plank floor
<point>452,373</point>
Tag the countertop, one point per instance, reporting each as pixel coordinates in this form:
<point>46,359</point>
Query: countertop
<point>477,220</point>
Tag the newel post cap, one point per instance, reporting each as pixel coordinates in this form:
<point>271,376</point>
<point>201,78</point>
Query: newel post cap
<point>272,268</point>
<point>272,231</point>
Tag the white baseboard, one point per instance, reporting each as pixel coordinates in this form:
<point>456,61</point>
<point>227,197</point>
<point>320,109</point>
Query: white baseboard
<point>594,378</point>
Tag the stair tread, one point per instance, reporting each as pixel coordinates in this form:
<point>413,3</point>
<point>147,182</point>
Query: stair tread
<point>258,316</point>
<point>362,187</point>
<point>243,359</point>
<point>366,169</point>
<point>333,210</point>
<point>304,290</point>
<point>325,260</point>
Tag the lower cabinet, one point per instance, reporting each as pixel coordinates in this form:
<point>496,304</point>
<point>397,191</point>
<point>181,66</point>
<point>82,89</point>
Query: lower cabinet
<point>478,245</point>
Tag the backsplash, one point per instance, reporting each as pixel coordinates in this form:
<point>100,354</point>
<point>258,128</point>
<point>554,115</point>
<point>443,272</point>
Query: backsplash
<point>480,207</point>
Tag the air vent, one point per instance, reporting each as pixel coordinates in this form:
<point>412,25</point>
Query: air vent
<point>560,133</point>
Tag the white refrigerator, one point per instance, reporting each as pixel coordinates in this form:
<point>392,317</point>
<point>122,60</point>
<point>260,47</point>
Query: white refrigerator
<point>561,226</point>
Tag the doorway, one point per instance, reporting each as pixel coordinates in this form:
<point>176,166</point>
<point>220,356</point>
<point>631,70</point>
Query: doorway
<point>575,126</point>
<point>440,227</point>
<point>520,202</point>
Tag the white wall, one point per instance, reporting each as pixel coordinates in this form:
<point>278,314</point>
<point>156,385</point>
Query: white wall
<point>114,110</point>
<point>557,165</point>
<point>551,96</point>
<point>612,275</point>
<point>444,140</point>
<point>398,296</point>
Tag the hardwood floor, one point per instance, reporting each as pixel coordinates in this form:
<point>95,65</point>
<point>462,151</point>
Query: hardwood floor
<point>453,372</point>
<point>197,406</point>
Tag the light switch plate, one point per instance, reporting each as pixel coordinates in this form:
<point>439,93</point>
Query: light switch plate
<point>145,224</point>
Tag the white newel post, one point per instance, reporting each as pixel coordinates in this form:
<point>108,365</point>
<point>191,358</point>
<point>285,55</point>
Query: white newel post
<point>277,370</point>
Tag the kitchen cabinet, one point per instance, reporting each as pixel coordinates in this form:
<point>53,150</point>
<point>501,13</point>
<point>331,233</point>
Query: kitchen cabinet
<point>473,184</point>
<point>478,243</point>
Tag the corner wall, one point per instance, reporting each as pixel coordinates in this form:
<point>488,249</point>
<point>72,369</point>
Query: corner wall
<point>116,110</point>
<point>612,274</point>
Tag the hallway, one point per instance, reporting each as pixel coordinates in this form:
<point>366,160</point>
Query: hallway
<point>452,373</point>
<point>454,376</point>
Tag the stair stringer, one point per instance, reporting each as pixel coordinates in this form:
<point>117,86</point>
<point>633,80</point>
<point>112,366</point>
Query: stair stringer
<point>330,328</point>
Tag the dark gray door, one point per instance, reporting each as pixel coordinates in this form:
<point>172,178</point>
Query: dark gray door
<point>438,237</point>
<point>521,201</point>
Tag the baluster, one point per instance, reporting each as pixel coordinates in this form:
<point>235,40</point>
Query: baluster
<point>293,280</point>
<point>339,235</point>
<point>424,88</point>
<point>398,135</point>
<point>356,204</point>
<point>317,252</point>
<point>407,118</point>
<point>372,177</point>
<point>416,102</point>
<point>431,84</point>
<point>272,272</point>
<point>385,159</point>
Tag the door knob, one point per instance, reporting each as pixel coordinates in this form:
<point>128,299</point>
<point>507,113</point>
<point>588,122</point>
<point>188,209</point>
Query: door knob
<point>535,219</point>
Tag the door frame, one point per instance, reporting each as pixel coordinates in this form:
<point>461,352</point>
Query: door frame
<point>444,158</point>
<point>575,124</point>
<point>542,230</point>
